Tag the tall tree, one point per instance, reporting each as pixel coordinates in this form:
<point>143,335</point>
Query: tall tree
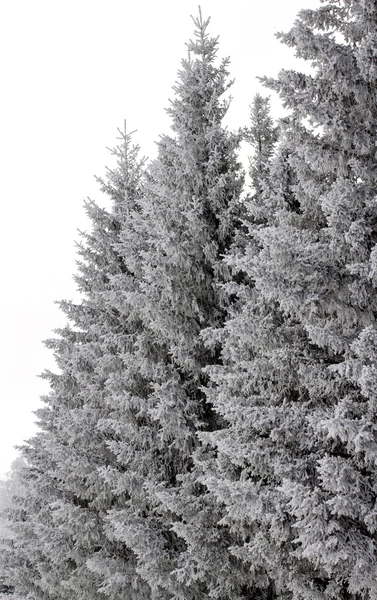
<point>189,217</point>
<point>296,468</point>
<point>61,521</point>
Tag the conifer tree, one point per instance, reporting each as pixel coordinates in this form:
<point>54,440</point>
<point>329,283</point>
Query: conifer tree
<point>296,468</point>
<point>61,521</point>
<point>10,487</point>
<point>189,216</point>
<point>262,136</point>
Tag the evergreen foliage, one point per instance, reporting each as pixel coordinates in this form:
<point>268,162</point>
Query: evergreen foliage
<point>59,525</point>
<point>295,468</point>
<point>189,217</point>
<point>262,135</point>
<point>211,432</point>
<point>10,487</point>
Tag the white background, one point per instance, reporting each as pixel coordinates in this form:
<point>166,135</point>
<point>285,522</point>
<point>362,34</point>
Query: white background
<point>71,72</point>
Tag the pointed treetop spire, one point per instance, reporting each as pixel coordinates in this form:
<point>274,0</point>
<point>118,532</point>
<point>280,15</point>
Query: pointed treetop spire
<point>201,24</point>
<point>203,45</point>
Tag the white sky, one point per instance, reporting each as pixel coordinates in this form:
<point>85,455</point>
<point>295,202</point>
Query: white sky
<point>71,72</point>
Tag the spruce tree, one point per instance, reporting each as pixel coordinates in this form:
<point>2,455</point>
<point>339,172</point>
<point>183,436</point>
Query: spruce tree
<point>61,521</point>
<point>296,468</point>
<point>10,487</point>
<point>262,135</point>
<point>188,219</point>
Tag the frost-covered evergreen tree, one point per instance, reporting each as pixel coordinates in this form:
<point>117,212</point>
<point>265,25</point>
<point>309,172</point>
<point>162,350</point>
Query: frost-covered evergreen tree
<point>20,548</point>
<point>10,487</point>
<point>189,218</point>
<point>61,521</point>
<point>262,135</point>
<point>296,468</point>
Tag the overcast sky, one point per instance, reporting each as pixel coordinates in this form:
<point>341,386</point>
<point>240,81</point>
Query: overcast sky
<point>71,72</point>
